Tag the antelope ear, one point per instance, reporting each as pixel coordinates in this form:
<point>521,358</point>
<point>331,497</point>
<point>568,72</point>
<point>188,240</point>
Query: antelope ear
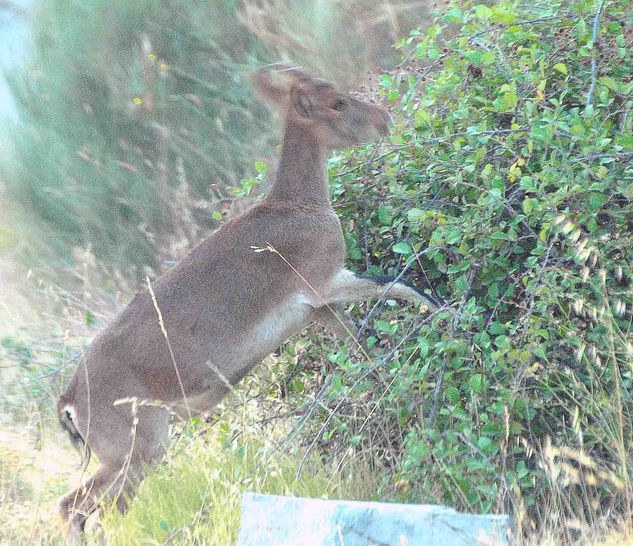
<point>302,101</point>
<point>268,90</point>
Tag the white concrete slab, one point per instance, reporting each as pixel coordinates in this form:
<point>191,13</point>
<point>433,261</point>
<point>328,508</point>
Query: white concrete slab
<point>289,521</point>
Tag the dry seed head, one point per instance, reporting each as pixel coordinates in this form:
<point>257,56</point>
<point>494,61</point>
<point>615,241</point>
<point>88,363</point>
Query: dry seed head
<point>582,244</point>
<point>618,273</point>
<point>529,450</point>
<point>603,276</point>
<point>570,476</point>
<point>575,235</point>
<point>559,219</point>
<point>585,273</point>
<point>583,255</point>
<point>594,314</point>
<point>620,307</point>
<point>603,311</point>
<point>578,305</point>
<point>611,477</point>
<point>574,418</point>
<point>567,227</point>
<point>580,351</point>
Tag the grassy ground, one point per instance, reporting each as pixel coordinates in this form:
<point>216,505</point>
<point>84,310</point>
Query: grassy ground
<point>36,467</point>
<point>193,497</point>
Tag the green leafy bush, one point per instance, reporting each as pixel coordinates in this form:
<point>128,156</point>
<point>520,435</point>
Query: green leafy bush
<point>516,172</point>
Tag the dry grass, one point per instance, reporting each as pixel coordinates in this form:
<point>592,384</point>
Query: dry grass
<point>36,466</point>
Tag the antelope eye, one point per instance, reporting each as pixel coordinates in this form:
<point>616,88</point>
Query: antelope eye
<point>339,105</point>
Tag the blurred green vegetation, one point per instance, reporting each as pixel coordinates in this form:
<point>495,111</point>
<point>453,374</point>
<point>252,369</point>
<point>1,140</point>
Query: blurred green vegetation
<point>135,120</point>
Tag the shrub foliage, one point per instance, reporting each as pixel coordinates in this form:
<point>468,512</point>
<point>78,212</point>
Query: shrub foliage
<point>508,186</point>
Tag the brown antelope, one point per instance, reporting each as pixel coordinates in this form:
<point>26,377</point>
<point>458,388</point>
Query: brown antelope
<point>259,279</point>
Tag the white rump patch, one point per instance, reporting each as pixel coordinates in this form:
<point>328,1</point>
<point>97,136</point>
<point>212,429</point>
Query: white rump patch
<point>70,410</point>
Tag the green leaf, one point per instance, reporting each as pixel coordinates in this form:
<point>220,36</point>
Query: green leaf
<point>476,382</point>
<point>561,67</point>
<point>501,14</point>
<point>90,318</point>
<point>482,12</point>
<point>497,329</point>
<point>423,346</point>
<point>402,248</point>
<point>488,58</point>
<point>422,116</point>
<point>384,215</point>
<point>626,141</point>
<point>509,100</point>
<point>610,83</point>
<point>528,205</point>
<point>386,81</point>
<point>484,443</point>
<point>452,394</point>
<point>415,215</point>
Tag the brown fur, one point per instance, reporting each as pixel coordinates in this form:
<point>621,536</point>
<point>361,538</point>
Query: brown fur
<point>228,303</point>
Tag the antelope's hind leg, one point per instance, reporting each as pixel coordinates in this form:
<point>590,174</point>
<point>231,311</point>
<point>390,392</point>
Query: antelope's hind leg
<point>347,287</point>
<point>126,451</point>
<point>340,324</point>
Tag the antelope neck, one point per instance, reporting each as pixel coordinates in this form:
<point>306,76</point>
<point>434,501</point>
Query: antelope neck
<point>302,174</point>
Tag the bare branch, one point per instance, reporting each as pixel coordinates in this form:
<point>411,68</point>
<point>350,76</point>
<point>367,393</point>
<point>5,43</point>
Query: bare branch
<point>454,324</point>
<point>594,63</point>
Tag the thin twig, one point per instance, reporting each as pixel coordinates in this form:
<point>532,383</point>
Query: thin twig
<point>594,63</point>
<point>616,156</point>
<point>59,368</point>
<point>500,68</point>
<point>163,329</point>
<point>310,407</point>
<point>363,376</point>
<point>372,411</point>
<point>522,23</point>
<point>431,141</point>
<point>391,285</point>
<point>530,304</point>
<point>451,334</point>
